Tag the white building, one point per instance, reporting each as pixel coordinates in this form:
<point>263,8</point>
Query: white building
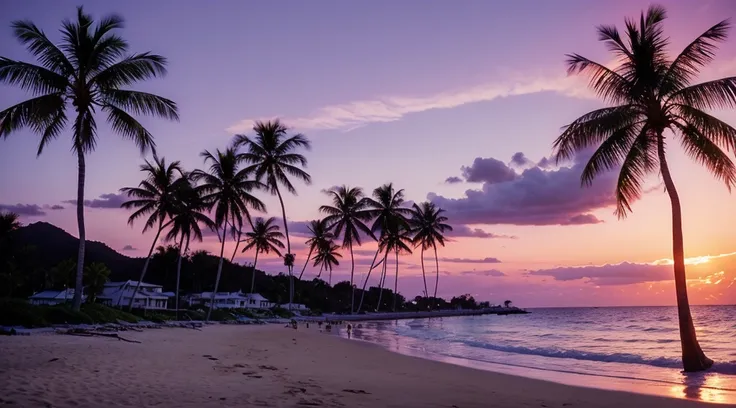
<point>53,297</point>
<point>149,296</point>
<point>294,306</point>
<point>230,300</point>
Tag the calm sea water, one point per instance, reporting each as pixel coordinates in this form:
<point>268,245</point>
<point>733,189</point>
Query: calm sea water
<point>629,348</point>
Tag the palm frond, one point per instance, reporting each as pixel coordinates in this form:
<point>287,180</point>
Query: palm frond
<point>711,95</point>
<point>640,160</point>
<point>141,103</point>
<point>42,48</point>
<point>719,132</point>
<point>129,128</point>
<point>132,69</point>
<point>32,78</point>
<point>606,83</point>
<point>701,149</point>
<point>609,154</point>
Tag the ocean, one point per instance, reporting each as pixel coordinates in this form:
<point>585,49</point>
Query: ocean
<point>633,349</point>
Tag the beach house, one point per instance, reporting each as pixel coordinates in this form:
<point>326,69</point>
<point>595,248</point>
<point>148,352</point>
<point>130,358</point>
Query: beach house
<point>295,307</point>
<point>230,300</point>
<point>149,296</point>
<point>53,297</point>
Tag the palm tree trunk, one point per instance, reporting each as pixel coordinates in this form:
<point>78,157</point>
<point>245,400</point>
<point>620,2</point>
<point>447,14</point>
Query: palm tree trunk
<point>145,265</point>
<point>253,277</point>
<point>693,358</point>
<point>77,301</point>
<point>237,244</point>
<point>306,263</point>
<point>362,295</point>
<point>288,247</point>
<point>381,282</point>
<point>219,272</point>
<point>396,281</point>
<point>320,271</point>
<point>437,265</point>
<point>352,287</point>
<point>424,276</point>
<point>178,274</point>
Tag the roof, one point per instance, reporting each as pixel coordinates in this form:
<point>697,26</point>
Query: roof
<point>132,283</point>
<point>55,294</point>
<point>230,295</point>
<point>256,296</point>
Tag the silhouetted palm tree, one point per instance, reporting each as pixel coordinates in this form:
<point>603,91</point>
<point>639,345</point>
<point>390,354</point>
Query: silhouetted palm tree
<point>346,217</point>
<point>9,221</point>
<point>396,238</point>
<point>320,235</point>
<point>265,238</point>
<point>653,94</point>
<point>155,198</point>
<point>227,189</point>
<point>272,156</point>
<point>188,213</point>
<point>95,277</point>
<point>385,205</point>
<point>428,226</point>
<point>86,71</point>
<point>326,258</point>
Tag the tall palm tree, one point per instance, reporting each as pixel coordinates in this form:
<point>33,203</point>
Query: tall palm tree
<point>265,238</point>
<point>428,226</point>
<point>272,156</point>
<point>653,99</point>
<point>155,199</point>
<point>385,205</point>
<point>89,71</point>
<point>396,238</point>
<point>189,211</point>
<point>326,258</point>
<point>227,189</point>
<point>346,217</point>
<point>319,236</point>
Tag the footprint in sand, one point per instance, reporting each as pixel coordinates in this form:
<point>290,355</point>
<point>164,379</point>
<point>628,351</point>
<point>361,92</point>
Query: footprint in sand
<point>267,367</point>
<point>356,391</point>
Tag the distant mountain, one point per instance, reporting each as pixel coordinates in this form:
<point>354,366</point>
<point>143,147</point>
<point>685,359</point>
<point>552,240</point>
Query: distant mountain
<point>54,245</point>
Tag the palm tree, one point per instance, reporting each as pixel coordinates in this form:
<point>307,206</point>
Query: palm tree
<point>272,156</point>
<point>88,71</point>
<point>326,258</point>
<point>652,94</point>
<point>396,238</point>
<point>9,222</point>
<point>320,235</point>
<point>227,189</point>
<point>95,276</point>
<point>155,198</point>
<point>346,217</point>
<point>428,224</point>
<point>386,205</point>
<point>265,238</point>
<point>188,213</point>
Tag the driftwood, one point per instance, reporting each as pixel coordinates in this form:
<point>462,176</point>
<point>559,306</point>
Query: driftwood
<point>87,333</point>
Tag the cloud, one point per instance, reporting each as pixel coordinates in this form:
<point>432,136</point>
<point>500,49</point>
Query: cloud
<point>520,160</point>
<point>129,248</point>
<point>466,231</point>
<point>453,180</point>
<point>28,210</point>
<point>110,200</point>
<point>545,163</point>
<point>488,170</point>
<point>535,197</point>
<point>54,207</point>
<point>487,272</point>
<point>469,260</point>
<point>352,115</point>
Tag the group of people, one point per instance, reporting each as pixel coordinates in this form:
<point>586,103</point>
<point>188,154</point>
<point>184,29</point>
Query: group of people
<point>327,323</point>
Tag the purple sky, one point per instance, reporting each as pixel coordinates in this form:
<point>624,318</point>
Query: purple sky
<point>403,91</point>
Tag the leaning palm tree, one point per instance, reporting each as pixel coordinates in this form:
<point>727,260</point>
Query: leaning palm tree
<point>326,258</point>
<point>319,235</point>
<point>385,205</point>
<point>346,217</point>
<point>265,238</point>
<point>227,189</point>
<point>189,211</point>
<point>653,99</point>
<point>396,239</point>
<point>88,71</point>
<point>155,199</point>
<point>428,226</point>
<point>272,156</point>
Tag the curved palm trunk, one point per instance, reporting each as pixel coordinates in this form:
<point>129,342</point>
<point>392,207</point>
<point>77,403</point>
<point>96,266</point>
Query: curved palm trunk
<point>381,282</point>
<point>437,265</point>
<point>77,301</point>
<point>288,247</point>
<point>362,295</point>
<point>219,272</point>
<point>178,274</point>
<point>693,358</point>
<point>396,281</point>
<point>237,244</point>
<point>352,287</point>
<point>320,271</point>
<point>145,265</point>
<point>253,278</point>
<point>306,263</point>
<point>424,276</point>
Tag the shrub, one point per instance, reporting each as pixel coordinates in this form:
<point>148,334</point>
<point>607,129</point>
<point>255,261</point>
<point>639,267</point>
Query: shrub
<point>18,312</point>
<point>105,314</point>
<point>63,314</point>
<point>281,312</point>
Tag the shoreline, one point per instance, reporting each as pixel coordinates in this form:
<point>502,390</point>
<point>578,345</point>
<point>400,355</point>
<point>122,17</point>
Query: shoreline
<point>265,365</point>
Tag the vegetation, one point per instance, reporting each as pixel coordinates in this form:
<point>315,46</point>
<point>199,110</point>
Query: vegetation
<point>17,312</point>
<point>86,73</point>
<point>428,225</point>
<point>653,100</point>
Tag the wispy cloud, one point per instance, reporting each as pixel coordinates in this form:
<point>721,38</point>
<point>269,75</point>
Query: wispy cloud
<point>352,115</point>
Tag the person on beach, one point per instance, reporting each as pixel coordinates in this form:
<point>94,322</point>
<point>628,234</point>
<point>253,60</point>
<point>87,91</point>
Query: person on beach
<point>350,329</point>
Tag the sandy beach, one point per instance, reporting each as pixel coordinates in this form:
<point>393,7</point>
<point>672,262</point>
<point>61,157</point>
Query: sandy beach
<point>268,366</point>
